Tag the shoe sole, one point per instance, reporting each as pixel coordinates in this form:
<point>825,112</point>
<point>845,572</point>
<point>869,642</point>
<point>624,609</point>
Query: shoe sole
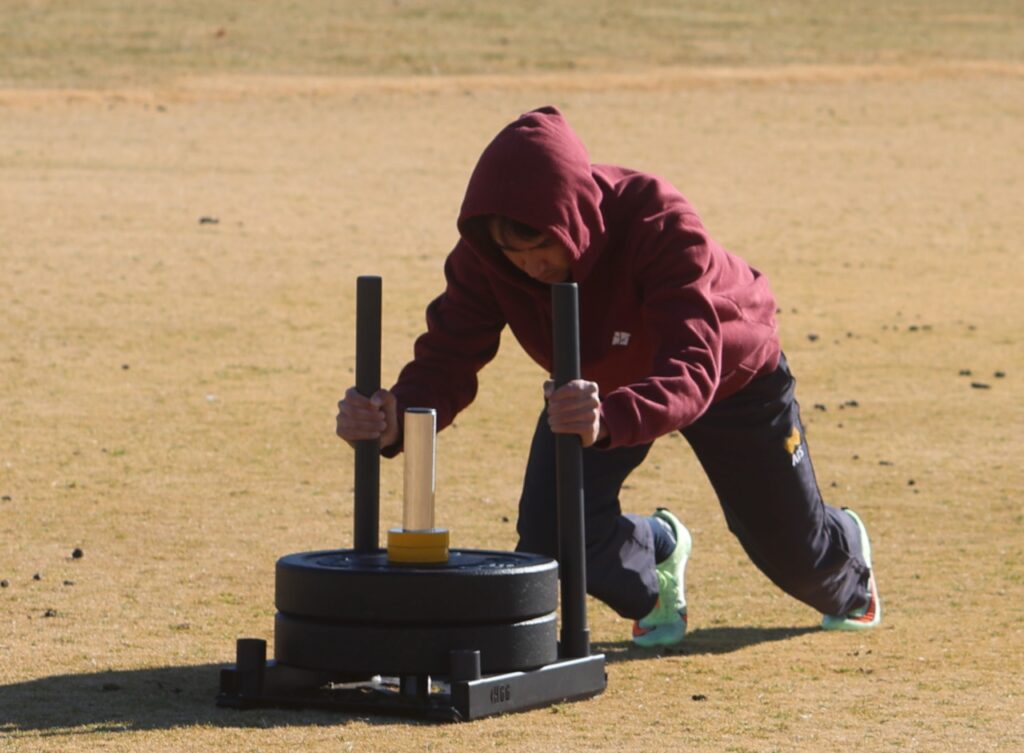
<point>663,635</point>
<point>852,624</point>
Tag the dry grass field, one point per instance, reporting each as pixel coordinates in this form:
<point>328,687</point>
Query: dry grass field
<point>167,384</point>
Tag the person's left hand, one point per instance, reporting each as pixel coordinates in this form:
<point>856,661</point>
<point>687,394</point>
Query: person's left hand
<point>575,408</point>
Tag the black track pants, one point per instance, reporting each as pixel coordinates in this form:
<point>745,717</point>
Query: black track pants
<point>753,448</point>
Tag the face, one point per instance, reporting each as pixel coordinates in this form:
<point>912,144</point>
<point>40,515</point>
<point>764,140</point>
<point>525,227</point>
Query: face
<point>544,258</point>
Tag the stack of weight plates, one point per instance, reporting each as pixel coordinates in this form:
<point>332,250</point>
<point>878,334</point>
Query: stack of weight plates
<point>356,613</point>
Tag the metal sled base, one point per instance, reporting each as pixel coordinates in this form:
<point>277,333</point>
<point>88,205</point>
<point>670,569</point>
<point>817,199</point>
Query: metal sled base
<point>463,695</point>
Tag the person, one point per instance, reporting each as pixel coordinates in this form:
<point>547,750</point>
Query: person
<point>676,334</point>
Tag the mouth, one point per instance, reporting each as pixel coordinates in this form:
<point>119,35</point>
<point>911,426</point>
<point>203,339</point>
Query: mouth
<point>552,277</point>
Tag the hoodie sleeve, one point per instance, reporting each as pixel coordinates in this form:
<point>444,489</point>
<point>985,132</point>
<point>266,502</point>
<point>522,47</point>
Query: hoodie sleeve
<point>464,327</point>
<point>673,267</point>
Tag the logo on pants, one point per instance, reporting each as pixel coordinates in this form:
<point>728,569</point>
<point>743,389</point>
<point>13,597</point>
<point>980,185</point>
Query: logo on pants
<point>795,447</point>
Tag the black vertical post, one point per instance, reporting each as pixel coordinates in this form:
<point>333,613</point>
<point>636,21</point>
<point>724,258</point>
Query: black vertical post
<point>575,637</point>
<point>366,521</point>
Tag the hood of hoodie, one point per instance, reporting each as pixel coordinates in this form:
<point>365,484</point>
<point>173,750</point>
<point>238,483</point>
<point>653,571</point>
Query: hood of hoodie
<point>536,171</point>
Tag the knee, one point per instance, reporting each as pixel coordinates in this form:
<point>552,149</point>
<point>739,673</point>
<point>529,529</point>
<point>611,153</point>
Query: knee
<point>620,567</point>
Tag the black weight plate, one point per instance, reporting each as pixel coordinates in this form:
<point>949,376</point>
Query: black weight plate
<point>412,649</point>
<point>474,586</point>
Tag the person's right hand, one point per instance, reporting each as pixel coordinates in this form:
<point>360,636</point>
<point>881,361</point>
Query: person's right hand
<point>374,417</point>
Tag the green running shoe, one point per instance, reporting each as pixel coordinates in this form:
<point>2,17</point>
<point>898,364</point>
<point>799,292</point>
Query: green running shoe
<point>868,616</point>
<point>666,623</point>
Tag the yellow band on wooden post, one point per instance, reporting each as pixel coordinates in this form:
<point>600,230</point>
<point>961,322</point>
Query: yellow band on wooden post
<point>418,547</point>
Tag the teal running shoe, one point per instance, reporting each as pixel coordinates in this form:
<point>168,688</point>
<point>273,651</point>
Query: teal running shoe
<point>666,623</point>
<point>868,616</point>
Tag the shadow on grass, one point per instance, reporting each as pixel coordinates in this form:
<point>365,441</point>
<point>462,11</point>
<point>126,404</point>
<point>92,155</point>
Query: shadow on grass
<point>174,697</point>
<point>142,699</point>
<point>716,640</point>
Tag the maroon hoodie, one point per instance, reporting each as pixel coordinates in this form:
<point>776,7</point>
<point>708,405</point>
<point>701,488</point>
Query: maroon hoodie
<point>670,321</point>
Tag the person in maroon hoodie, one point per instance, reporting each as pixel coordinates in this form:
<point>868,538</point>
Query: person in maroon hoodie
<point>676,334</point>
